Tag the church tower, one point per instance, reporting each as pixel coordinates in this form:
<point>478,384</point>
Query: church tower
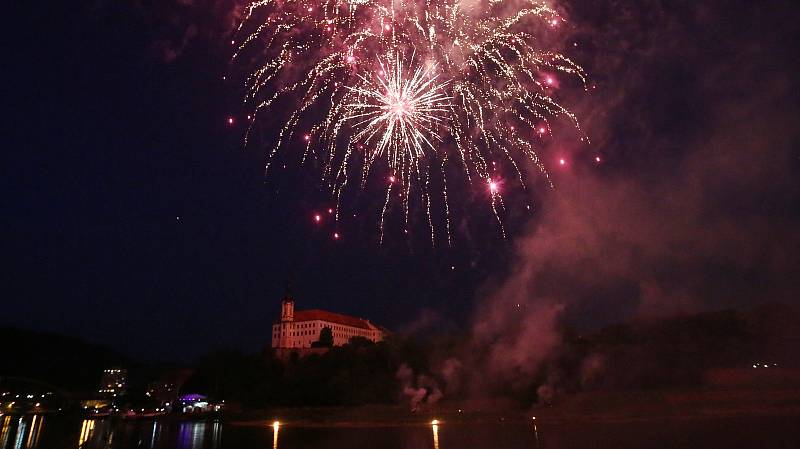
<point>286,326</point>
<point>287,306</point>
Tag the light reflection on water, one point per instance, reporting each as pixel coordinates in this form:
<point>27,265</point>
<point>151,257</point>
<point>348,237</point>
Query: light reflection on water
<point>276,426</point>
<point>25,432</point>
<point>87,429</point>
<point>37,422</point>
<point>155,433</point>
<point>20,432</point>
<point>5,430</point>
<point>21,426</point>
<point>192,435</point>
<point>64,432</point>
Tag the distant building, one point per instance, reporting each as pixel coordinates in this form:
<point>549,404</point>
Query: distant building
<point>301,328</point>
<point>113,383</point>
<point>197,403</point>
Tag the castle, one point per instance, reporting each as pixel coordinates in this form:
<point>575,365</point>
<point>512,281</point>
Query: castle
<point>300,329</point>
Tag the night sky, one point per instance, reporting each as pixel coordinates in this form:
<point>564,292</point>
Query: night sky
<point>133,215</point>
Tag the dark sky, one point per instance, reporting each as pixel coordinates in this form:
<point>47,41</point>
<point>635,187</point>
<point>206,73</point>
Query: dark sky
<point>132,214</point>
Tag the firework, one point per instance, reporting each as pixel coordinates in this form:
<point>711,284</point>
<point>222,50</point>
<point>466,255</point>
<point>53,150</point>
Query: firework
<point>403,89</point>
<point>398,113</point>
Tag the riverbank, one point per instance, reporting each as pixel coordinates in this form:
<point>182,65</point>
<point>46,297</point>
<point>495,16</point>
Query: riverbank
<point>620,406</point>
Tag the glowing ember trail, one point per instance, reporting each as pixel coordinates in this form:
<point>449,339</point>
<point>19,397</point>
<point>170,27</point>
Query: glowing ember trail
<point>406,89</point>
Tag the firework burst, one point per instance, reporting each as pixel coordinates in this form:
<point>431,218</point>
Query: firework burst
<point>409,87</point>
<point>398,113</point>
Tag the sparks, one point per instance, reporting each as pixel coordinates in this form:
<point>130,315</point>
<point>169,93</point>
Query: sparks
<point>398,114</point>
<point>417,88</point>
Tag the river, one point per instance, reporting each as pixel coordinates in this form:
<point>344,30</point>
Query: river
<point>61,432</point>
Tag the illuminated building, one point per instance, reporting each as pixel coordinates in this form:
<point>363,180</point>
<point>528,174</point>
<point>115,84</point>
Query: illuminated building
<point>113,382</point>
<point>197,403</point>
<point>299,329</point>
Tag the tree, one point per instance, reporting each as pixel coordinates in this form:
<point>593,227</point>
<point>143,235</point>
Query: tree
<point>325,339</point>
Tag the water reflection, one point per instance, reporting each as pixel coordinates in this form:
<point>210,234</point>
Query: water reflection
<point>31,432</point>
<point>4,431</point>
<point>37,423</point>
<point>216,434</point>
<point>191,435</point>
<point>20,432</point>
<point>87,429</point>
<point>154,433</point>
<point>22,425</point>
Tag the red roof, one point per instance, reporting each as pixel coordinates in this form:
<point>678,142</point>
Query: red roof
<point>324,315</point>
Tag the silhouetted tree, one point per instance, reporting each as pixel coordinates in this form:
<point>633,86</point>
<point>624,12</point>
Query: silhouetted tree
<point>325,339</point>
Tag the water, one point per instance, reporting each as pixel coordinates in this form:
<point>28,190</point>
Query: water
<point>58,432</point>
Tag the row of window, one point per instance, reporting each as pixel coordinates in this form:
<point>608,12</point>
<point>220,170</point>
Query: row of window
<point>347,331</point>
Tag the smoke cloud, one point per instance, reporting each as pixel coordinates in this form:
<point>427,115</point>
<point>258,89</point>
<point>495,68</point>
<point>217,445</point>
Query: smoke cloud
<point>420,391</point>
<point>693,208</point>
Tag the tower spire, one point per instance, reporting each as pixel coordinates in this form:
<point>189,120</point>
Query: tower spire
<point>288,295</point>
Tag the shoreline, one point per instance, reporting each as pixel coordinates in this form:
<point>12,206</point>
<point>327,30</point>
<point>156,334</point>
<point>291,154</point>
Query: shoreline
<point>593,407</point>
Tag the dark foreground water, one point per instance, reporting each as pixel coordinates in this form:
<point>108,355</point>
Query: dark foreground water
<point>60,432</point>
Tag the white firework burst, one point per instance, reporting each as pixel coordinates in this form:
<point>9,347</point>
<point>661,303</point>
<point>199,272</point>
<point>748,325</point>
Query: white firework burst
<point>399,111</point>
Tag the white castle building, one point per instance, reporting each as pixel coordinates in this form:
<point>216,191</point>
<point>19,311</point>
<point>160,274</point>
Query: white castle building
<point>300,329</point>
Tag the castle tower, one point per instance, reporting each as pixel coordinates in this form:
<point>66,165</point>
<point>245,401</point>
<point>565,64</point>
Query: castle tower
<point>287,306</point>
<point>286,326</point>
